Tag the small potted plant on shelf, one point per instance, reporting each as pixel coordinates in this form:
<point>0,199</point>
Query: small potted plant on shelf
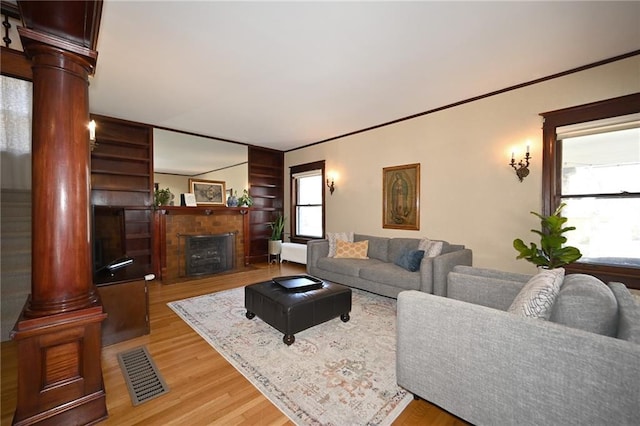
<point>245,199</point>
<point>551,254</point>
<point>162,196</point>
<point>277,228</point>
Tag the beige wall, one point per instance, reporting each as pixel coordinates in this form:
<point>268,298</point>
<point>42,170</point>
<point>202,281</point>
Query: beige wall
<point>469,194</point>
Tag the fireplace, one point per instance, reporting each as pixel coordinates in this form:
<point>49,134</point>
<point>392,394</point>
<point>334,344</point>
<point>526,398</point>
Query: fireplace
<point>208,254</point>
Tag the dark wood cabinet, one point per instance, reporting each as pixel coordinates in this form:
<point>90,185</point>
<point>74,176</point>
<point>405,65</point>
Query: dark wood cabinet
<point>127,308</point>
<point>122,178</point>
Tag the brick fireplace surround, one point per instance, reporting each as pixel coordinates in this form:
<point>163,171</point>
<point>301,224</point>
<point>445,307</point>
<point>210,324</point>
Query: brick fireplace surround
<point>173,222</point>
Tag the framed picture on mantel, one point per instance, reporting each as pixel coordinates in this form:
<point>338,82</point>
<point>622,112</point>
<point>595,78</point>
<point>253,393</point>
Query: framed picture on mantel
<point>208,192</point>
<point>401,197</point>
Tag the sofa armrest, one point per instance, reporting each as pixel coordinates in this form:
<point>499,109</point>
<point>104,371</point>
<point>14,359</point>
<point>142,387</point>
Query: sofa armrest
<point>315,250</point>
<point>482,290</point>
<point>492,367</point>
<point>443,264</point>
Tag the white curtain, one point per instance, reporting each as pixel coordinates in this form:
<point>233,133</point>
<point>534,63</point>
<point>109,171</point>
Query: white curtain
<point>15,133</point>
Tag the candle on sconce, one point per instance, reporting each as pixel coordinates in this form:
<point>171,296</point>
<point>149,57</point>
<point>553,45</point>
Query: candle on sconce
<point>522,166</point>
<point>92,130</point>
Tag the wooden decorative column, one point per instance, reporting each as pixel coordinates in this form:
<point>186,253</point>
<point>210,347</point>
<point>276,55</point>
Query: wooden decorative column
<point>59,331</point>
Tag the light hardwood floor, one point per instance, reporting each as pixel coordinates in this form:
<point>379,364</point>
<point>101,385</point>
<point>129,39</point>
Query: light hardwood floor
<point>204,388</point>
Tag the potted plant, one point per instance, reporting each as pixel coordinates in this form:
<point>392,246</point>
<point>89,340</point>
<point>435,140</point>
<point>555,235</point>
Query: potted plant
<point>245,199</point>
<point>551,253</point>
<point>277,228</point>
<point>161,196</point>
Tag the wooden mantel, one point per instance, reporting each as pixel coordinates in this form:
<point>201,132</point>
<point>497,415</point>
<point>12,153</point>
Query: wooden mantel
<point>201,219</point>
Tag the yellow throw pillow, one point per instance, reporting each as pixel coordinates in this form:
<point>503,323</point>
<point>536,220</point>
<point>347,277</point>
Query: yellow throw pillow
<point>357,250</point>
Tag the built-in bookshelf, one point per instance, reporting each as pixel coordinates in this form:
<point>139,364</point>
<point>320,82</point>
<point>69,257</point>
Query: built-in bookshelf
<point>122,176</point>
<point>266,183</point>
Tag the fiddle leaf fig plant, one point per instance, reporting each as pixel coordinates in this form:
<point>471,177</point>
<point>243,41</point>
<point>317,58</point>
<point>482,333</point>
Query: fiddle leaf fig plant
<point>551,253</point>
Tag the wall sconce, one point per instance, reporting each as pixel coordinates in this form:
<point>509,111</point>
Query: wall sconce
<point>331,185</point>
<point>92,134</point>
<point>522,166</point>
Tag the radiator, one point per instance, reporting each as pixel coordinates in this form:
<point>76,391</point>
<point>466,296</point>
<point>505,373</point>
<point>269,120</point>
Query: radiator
<point>294,252</point>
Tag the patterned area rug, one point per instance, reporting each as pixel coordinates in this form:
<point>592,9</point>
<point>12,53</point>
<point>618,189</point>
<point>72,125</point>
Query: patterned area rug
<point>334,374</point>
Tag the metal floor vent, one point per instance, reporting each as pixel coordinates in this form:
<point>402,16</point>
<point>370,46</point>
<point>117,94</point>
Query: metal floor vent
<point>143,378</point>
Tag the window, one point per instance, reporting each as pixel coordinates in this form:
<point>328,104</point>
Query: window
<point>591,162</point>
<point>307,196</point>
<point>600,183</point>
<point>15,133</point>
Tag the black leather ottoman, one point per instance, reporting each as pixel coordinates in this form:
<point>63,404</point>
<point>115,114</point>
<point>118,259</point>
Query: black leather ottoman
<point>290,312</point>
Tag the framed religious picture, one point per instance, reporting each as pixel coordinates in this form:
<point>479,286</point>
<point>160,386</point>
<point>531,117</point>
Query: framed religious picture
<point>401,197</point>
<point>208,192</point>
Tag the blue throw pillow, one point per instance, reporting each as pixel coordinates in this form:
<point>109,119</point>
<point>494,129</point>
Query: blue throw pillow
<point>410,260</point>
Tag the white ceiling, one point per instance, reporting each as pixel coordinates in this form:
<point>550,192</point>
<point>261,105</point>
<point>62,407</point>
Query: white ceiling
<point>286,74</point>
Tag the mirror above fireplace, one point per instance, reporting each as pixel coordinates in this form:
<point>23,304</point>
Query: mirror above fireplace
<point>178,156</point>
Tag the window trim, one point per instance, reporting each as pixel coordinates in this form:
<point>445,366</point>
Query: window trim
<point>294,170</point>
<point>552,172</point>
<point>551,156</point>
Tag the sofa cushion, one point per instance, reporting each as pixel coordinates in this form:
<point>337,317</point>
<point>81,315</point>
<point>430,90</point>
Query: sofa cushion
<point>410,259</point>
<point>538,295</point>
<point>392,275</point>
<point>335,236</point>
<point>397,246</point>
<point>378,246</point>
<point>349,267</point>
<point>345,249</point>
<point>586,303</point>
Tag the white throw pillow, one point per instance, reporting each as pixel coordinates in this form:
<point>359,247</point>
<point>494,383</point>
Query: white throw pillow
<point>334,236</point>
<point>536,298</point>
<point>431,248</point>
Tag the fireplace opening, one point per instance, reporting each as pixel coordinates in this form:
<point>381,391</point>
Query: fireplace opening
<point>209,254</point>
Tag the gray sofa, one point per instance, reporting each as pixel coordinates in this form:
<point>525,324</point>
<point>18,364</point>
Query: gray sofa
<point>467,355</point>
<point>379,274</point>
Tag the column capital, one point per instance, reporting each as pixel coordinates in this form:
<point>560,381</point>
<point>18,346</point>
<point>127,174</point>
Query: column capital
<point>36,43</point>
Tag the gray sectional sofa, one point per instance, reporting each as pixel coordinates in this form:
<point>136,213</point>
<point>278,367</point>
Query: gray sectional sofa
<point>466,354</point>
<point>379,274</point>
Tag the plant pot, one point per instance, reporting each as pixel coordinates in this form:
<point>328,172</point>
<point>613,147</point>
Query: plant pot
<point>275,247</point>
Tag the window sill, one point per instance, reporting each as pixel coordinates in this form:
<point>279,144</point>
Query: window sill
<point>629,275</point>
